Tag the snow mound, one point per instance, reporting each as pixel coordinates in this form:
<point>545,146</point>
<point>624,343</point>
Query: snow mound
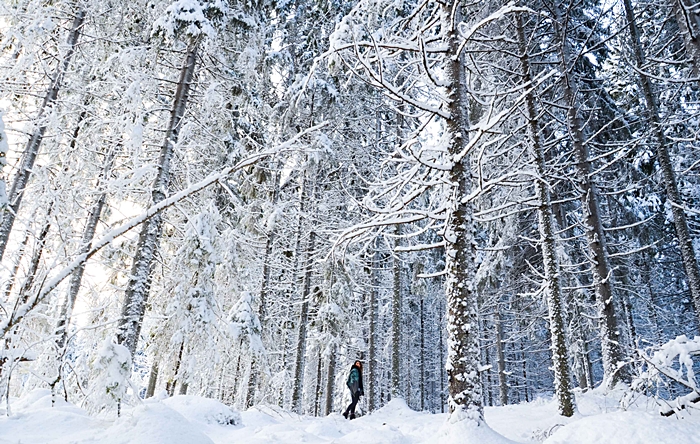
<point>36,398</point>
<point>33,420</point>
<point>625,427</point>
<point>528,421</point>
<point>205,410</point>
<point>39,399</point>
<point>395,422</point>
<point>396,407</point>
<point>153,423</point>
<point>459,429</point>
<point>332,427</point>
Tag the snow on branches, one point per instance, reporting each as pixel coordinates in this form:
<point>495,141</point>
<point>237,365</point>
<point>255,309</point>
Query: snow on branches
<point>113,364</point>
<point>192,18</point>
<point>670,365</point>
<point>244,324</point>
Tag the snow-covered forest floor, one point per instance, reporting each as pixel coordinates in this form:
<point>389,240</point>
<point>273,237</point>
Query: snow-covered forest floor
<point>195,420</point>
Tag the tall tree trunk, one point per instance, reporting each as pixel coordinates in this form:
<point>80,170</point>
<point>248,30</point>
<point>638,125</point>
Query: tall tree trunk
<point>524,360</point>
<point>396,303</point>
<point>462,321</point>
<point>152,380</point>
<point>330,381</point>
<point>252,383</point>
<point>422,354</point>
<point>662,143</point>
<point>546,228</point>
<point>36,259</point>
<point>138,287</point>
<point>15,267</point>
<point>31,151</point>
<point>319,368</point>
<point>281,399</point>
<point>264,289</point>
<point>170,385</point>
<point>265,284</point>
<point>651,305</point>
<point>688,18</point>
<point>298,391</point>
<point>297,395</point>
<point>442,368</point>
<point>237,372</point>
<point>373,369</point>
<point>486,359</point>
<point>502,377</point>
<point>602,272</point>
<point>627,312</point>
<point>220,387</point>
<point>288,310</point>
<point>587,362</point>
<point>578,336</point>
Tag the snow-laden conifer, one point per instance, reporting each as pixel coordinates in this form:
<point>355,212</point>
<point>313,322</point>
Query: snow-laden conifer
<point>113,372</point>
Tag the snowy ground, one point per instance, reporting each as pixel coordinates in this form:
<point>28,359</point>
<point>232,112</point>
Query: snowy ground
<point>193,420</point>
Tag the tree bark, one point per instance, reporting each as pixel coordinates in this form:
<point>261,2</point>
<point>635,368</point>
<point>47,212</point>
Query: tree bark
<point>462,322</point>
<point>170,386</point>
<point>265,284</point>
<point>152,380</point>
<point>373,321</point>
<point>31,151</point>
<point>502,377</point>
<point>647,260</point>
<point>319,368</point>
<point>688,18</point>
<point>297,394</point>
<point>330,382</point>
<point>602,272</point>
<point>562,389</point>
<point>524,358</point>
<point>296,271</point>
<point>422,354</point>
<point>36,258</point>
<point>486,359</point>
<point>441,368</point>
<point>138,287</point>
<point>15,267</point>
<point>396,303</point>
<point>262,309</point>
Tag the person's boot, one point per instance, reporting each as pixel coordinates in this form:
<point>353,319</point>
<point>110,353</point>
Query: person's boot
<point>345,413</point>
<point>352,416</point>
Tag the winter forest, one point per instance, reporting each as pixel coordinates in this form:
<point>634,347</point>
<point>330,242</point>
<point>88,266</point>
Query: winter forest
<point>489,203</point>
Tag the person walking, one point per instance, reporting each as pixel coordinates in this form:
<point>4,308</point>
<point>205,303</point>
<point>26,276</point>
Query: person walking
<point>356,389</point>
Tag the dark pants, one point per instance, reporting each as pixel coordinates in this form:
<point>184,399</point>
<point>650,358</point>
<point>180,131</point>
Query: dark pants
<point>353,404</point>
